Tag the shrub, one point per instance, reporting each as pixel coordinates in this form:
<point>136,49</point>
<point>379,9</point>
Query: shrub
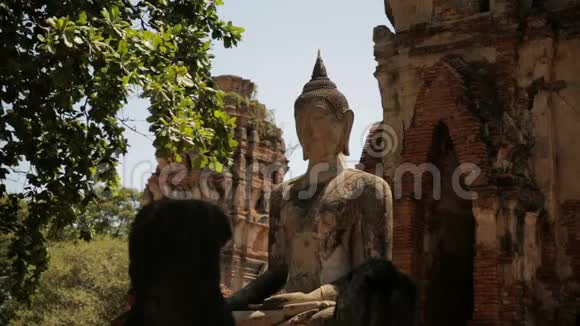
<point>86,284</point>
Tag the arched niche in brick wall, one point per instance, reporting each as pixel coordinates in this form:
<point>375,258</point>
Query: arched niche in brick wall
<point>444,99</point>
<point>449,240</point>
<point>445,102</point>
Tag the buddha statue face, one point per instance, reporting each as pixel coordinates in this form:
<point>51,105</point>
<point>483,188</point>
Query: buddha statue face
<point>323,118</point>
<point>322,134</point>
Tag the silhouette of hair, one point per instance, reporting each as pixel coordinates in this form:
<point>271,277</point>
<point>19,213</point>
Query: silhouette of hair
<point>376,293</point>
<point>174,253</point>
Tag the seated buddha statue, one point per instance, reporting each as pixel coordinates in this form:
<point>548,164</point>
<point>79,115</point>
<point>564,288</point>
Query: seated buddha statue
<point>323,224</point>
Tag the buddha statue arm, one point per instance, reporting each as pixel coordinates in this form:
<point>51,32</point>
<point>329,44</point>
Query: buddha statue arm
<point>273,280</point>
<point>276,236</point>
<point>372,233</point>
<point>261,288</point>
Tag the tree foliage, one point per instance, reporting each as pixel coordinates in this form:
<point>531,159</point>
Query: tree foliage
<point>110,215</point>
<point>7,272</point>
<point>68,68</point>
<point>86,284</point>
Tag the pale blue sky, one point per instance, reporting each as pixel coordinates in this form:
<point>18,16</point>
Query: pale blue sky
<point>278,53</point>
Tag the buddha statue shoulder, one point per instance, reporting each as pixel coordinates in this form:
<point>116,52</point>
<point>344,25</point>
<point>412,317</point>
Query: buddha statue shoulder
<point>324,223</point>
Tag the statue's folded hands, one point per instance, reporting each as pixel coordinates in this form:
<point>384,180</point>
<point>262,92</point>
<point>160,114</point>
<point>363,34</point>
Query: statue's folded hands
<point>281,300</point>
<point>326,294</point>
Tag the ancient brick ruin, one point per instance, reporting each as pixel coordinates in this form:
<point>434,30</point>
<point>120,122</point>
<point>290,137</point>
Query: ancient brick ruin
<point>486,88</point>
<point>489,88</point>
<point>259,163</point>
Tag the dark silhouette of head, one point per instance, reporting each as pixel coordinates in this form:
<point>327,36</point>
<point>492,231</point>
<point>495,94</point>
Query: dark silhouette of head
<point>376,293</point>
<point>174,252</point>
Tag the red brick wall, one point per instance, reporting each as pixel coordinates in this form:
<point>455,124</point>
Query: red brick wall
<point>405,236</point>
<point>486,297</point>
<point>571,221</point>
<point>443,100</point>
<point>547,274</point>
<point>454,9</point>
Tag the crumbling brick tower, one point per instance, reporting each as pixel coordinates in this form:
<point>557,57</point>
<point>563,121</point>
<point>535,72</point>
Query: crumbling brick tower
<point>243,190</point>
<point>490,88</point>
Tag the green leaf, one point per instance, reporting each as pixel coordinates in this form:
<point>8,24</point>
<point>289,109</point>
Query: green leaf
<point>66,40</point>
<point>82,18</point>
<point>105,14</point>
<point>122,47</point>
<point>114,12</point>
<point>216,166</point>
<point>50,49</point>
<point>185,81</point>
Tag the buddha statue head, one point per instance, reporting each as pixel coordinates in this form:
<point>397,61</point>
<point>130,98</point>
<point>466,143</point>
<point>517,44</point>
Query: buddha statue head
<point>323,118</point>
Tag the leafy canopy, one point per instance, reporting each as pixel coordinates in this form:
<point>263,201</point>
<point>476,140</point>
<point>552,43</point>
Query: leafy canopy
<point>67,68</point>
<point>110,215</point>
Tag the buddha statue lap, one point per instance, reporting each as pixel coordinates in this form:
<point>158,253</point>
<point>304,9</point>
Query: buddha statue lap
<point>324,223</point>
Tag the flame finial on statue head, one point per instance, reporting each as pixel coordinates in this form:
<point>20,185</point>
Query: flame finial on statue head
<point>319,71</point>
<point>320,86</point>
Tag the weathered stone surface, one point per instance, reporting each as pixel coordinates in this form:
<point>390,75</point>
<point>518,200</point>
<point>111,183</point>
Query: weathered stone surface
<point>243,191</point>
<point>377,143</point>
<point>329,220</point>
<point>501,77</point>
